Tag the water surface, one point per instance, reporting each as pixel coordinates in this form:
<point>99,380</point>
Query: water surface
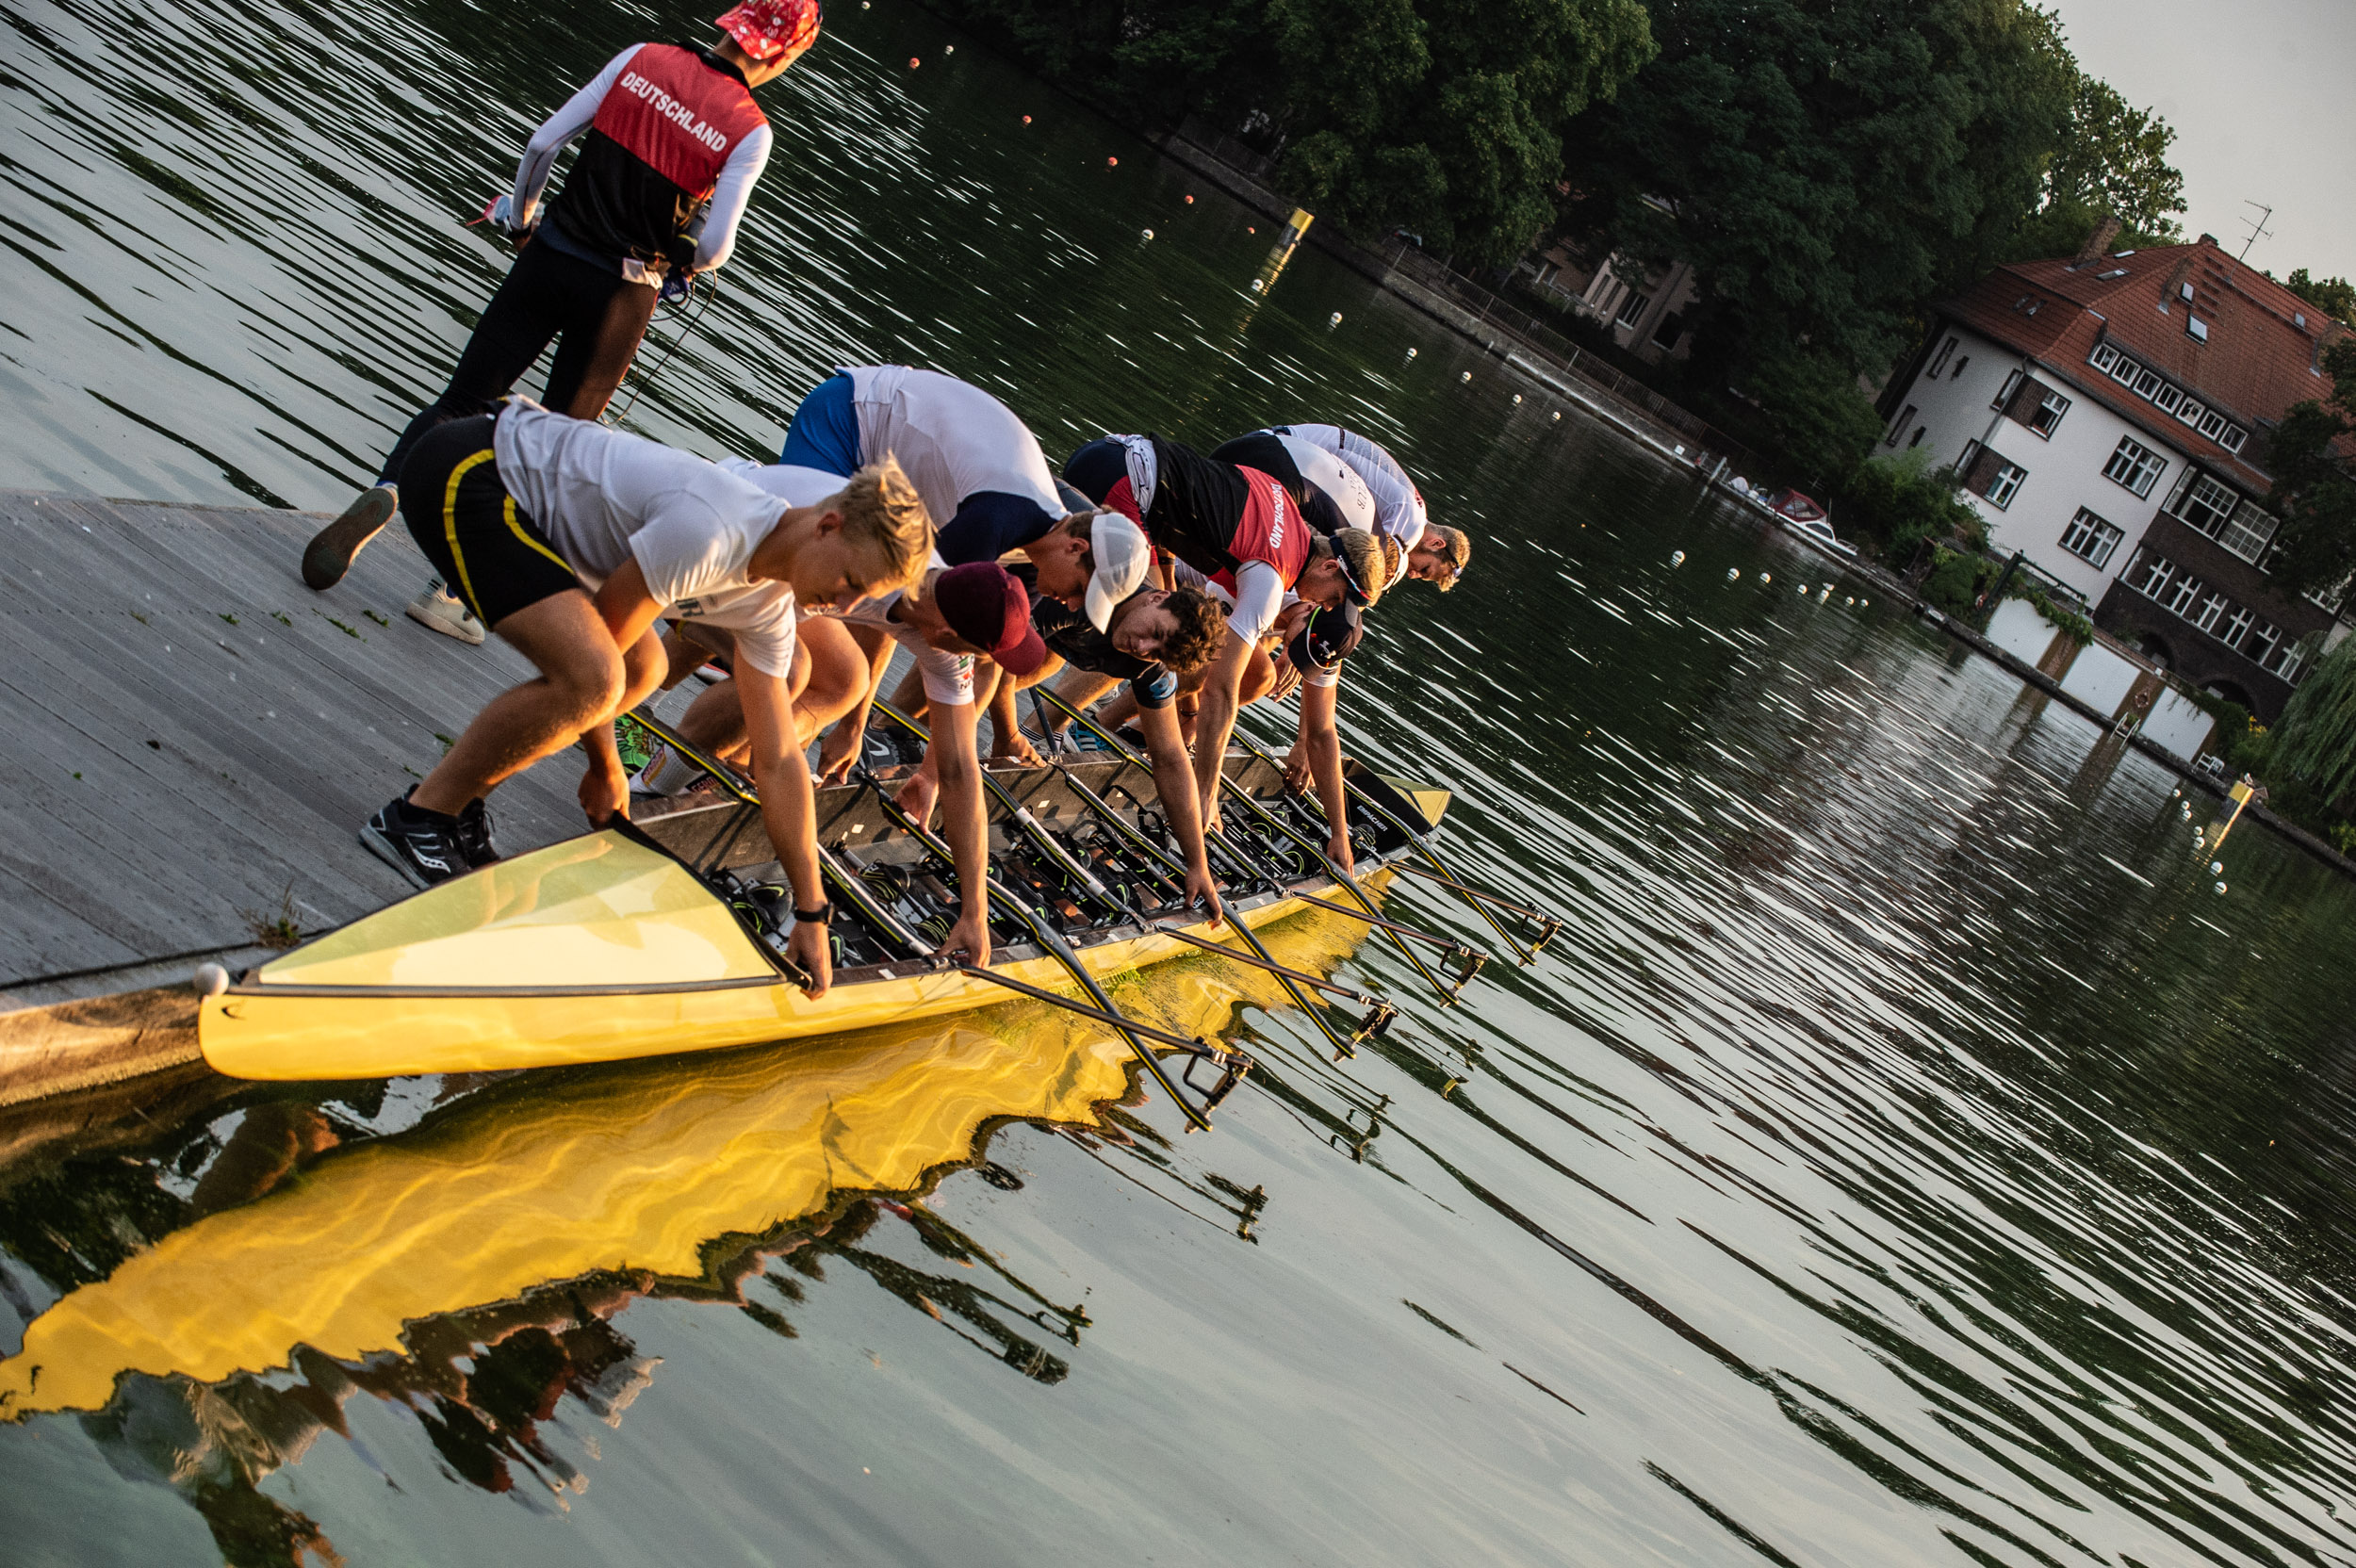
<point>1904,1155</point>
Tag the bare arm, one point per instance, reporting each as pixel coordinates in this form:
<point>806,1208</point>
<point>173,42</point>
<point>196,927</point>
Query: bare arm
<point>1174,781</point>
<point>1219,686</point>
<point>1322,742</point>
<point>962,823</point>
<point>539,161</point>
<point>787,811</point>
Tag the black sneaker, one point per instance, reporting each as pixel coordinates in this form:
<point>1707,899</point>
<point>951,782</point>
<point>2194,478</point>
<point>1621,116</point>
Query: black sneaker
<point>474,834</point>
<point>328,556</point>
<point>423,848</point>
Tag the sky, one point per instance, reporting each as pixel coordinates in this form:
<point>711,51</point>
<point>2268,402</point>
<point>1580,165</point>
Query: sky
<point>2258,92</point>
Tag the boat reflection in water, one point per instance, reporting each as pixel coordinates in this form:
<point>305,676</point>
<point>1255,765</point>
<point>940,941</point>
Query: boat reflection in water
<point>471,1268</point>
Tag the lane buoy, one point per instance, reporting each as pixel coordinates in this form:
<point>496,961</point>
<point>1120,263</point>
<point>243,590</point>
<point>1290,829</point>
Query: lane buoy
<point>2220,887</point>
<point>1765,578</point>
<point>1026,120</point>
<point>1190,200</point>
<point>948,48</point>
<point>1411,353</point>
<point>1465,377</point>
<point>1677,558</point>
<point>1148,233</point>
<point>1557,415</point>
<point>1112,163</point>
<point>1517,396</point>
<point>1861,604</point>
<point>1733,572</point>
<point>1335,319</point>
<point>2217,867</point>
<point>913,62</point>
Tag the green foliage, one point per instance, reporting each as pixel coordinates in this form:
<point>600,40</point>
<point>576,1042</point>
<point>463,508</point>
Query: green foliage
<point>2308,453</point>
<point>2068,622</point>
<point>1956,579</point>
<point>2115,159</point>
<point>1822,421</point>
<point>2062,224</point>
<point>1443,116</point>
<point>1826,169</point>
<point>1900,502</point>
<point>2316,739</point>
<point>2335,296</point>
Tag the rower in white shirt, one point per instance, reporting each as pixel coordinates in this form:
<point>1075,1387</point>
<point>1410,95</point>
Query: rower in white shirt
<point>1434,553</point>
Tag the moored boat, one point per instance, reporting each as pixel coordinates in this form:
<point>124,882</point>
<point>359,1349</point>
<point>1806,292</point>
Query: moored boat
<point>650,938</point>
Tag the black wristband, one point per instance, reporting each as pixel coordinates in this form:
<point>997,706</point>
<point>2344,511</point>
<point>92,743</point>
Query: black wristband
<point>823,915</point>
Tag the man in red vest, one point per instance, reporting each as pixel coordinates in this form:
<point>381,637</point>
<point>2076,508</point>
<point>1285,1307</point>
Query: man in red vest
<point>675,144</point>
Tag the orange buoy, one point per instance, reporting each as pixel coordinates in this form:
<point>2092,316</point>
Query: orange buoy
<point>1190,200</point>
<point>1112,163</point>
<point>912,62</point>
<point>1026,120</point>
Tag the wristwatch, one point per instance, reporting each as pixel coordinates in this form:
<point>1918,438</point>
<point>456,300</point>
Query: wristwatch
<point>823,915</point>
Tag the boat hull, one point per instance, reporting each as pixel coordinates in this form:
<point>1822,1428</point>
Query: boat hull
<point>298,1034</point>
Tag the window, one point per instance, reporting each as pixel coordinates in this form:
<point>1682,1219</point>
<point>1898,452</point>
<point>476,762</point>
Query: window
<point>2213,424</point>
<point>1904,419</point>
<point>2190,413</point>
<point>1919,432</point>
<point>2285,658</point>
<point>2196,329</point>
<point>2047,416</point>
<point>2004,395</point>
<point>2249,531</point>
<point>2133,466</point>
<point>2148,385</point>
<point>2090,538</point>
<point>2210,609</point>
<point>2103,356</point>
<point>1957,374</point>
<point>2182,595</point>
<point>1938,360</point>
<point>2232,438</point>
<point>1672,327</point>
<point>2206,505</point>
<point>2168,399</point>
<point>2235,625</point>
<point>2157,569</point>
<point>1633,309</point>
<point>2006,484</point>
<point>2125,371</point>
<point>2266,640</point>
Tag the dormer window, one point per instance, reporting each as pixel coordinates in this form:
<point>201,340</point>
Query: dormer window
<point>2196,329</point>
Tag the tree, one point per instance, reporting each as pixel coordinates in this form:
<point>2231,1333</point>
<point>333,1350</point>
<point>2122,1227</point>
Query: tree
<point>1444,116</point>
<point>2335,296</point>
<point>1826,166</point>
<point>2114,159</point>
<point>2315,740</point>
<point>2309,455</point>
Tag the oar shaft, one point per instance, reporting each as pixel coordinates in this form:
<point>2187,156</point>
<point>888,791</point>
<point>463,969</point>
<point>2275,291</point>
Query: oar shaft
<point>1127,1026</point>
<point>1273,967</point>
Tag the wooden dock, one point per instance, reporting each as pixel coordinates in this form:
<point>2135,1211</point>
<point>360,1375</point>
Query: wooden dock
<point>190,739</point>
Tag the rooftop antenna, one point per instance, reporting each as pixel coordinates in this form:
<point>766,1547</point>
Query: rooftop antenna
<point>2258,228</point>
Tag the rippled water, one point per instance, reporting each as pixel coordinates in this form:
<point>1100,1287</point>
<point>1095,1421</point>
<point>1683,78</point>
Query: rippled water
<point>1904,1156</point>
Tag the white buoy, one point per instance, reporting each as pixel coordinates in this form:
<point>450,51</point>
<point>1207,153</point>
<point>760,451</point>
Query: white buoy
<point>1861,604</point>
<point>2220,887</point>
<point>1765,578</point>
<point>210,980</point>
<point>1335,319</point>
<point>2217,867</point>
<point>1466,376</point>
<point>1848,599</point>
<point>1257,286</point>
<point>1678,559</point>
<point>1558,416</point>
<point>1517,396</point>
<point>1148,233</point>
<point>1411,353</point>
<point>1733,572</point>
<point>948,48</point>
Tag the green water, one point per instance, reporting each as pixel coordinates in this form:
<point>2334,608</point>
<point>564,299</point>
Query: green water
<point>1904,1155</point>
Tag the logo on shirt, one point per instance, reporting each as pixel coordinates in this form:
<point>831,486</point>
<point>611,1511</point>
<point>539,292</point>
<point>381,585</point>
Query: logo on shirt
<point>672,110</point>
<point>1276,516</point>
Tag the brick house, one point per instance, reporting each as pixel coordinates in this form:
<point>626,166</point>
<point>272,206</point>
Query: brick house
<point>1651,322</point>
<point>2109,414</point>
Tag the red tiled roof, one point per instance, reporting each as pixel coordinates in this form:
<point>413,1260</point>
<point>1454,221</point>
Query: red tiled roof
<point>2258,361</point>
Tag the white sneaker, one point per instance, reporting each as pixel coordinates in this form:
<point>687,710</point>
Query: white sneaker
<point>438,612</point>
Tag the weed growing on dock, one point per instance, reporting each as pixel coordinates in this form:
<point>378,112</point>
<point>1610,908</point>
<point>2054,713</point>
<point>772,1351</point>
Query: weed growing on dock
<point>279,931</point>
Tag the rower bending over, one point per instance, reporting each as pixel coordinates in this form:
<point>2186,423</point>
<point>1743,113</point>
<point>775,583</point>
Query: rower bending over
<point>1435,553</point>
<point>1222,518</point>
<point>950,617</point>
<point>675,144</point>
<point>567,539</point>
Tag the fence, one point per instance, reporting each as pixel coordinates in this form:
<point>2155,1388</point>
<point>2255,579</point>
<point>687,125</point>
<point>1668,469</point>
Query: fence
<point>1544,343</point>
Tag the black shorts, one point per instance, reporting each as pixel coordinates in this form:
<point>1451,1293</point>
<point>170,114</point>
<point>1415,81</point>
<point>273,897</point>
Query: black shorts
<point>489,551</point>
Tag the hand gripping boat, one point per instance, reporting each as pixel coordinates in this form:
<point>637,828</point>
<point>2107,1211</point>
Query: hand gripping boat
<point>646,939</point>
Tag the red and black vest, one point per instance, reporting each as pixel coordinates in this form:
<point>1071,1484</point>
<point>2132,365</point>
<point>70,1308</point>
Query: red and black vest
<point>1216,515</point>
<point>654,153</point>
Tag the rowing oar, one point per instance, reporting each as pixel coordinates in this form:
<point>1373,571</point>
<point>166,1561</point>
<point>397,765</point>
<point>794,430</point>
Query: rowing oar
<point>1469,959</point>
<point>1547,924</point>
<point>1234,1064</point>
<point>1379,1012</point>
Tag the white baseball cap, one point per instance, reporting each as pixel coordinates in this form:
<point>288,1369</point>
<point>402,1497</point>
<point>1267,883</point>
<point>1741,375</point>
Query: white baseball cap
<point>1123,557</point>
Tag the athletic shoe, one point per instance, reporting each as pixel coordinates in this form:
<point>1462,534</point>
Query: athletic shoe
<point>437,612</point>
<point>474,835</point>
<point>330,554</point>
<point>423,848</point>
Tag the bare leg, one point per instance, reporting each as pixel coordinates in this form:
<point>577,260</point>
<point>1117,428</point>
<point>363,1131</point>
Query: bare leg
<point>582,680</point>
